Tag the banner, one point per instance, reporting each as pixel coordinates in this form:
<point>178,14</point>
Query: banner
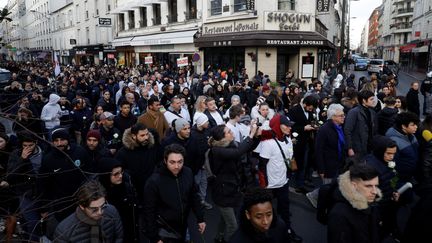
<point>148,60</point>
<point>183,61</point>
<point>57,65</point>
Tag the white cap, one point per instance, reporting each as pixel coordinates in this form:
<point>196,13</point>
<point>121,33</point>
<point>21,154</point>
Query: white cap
<point>201,120</point>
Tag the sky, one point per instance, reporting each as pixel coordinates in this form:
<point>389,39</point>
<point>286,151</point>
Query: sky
<point>361,11</point>
<point>3,3</point>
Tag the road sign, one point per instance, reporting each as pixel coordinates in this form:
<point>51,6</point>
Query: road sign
<point>323,6</point>
<point>104,21</point>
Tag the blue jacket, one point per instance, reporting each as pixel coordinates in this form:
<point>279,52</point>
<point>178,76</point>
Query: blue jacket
<point>406,157</point>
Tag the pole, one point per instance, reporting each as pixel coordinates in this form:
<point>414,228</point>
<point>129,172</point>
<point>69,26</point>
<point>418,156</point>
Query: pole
<point>342,46</point>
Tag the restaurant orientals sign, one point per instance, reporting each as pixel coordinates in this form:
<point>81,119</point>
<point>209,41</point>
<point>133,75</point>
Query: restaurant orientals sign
<point>230,27</point>
<point>288,21</point>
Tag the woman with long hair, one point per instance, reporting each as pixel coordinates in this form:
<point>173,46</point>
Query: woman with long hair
<point>200,107</point>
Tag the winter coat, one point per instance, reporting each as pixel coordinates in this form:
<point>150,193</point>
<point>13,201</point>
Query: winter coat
<point>96,155</point>
<point>386,118</point>
<point>198,145</point>
<point>352,219</point>
<point>225,159</point>
<point>212,121</point>
<point>60,176</point>
<point>407,156</point>
<point>413,103</point>
<point>155,120</point>
<point>168,201</point>
<point>139,161</point>
<point>385,176</point>
<point>122,123</point>
<point>358,135</point>
<point>75,231</point>
<point>326,151</point>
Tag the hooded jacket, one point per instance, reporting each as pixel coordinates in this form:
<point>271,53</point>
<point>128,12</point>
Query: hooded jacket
<point>51,112</point>
<point>352,219</point>
<point>138,160</point>
<point>386,118</point>
<point>168,201</point>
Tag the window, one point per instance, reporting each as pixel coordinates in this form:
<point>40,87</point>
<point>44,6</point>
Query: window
<point>286,4</point>
<point>172,11</point>
<point>143,16</point>
<point>156,14</point>
<point>215,7</point>
<point>121,25</point>
<point>191,9</point>
<point>77,11</point>
<point>131,24</point>
<point>240,5</point>
<point>88,35</point>
<point>96,2</point>
<point>86,14</point>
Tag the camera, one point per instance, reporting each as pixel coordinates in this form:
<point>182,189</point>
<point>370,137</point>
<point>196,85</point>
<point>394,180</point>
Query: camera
<point>259,124</point>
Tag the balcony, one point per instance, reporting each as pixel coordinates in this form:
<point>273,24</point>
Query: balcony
<point>404,12</point>
<point>403,27</point>
<point>172,18</point>
<point>401,1</point>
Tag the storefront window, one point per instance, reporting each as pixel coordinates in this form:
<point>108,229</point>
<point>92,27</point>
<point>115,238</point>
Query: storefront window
<point>224,58</point>
<point>240,5</point>
<point>286,4</point>
<point>215,7</point>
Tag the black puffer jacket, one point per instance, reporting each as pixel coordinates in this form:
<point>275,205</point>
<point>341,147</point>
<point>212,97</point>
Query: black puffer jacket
<point>168,201</point>
<point>386,118</point>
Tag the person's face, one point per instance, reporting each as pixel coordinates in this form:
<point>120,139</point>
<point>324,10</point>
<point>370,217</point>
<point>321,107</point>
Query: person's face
<point>369,102</point>
<point>309,108</point>
<point>155,106</point>
<point>109,122</point>
<point>182,102</point>
<point>125,109</point>
<point>170,89</point>
<point>95,209</point>
<point>23,115</point>
<point>64,89</point>
<point>296,90</point>
<point>410,129</point>
<point>174,163</point>
<point>99,110</point>
<point>116,176</point>
<point>219,88</point>
<point>185,132</point>
<point>235,102</point>
<point>318,87</point>
<point>285,129</point>
<point>398,103</point>
<point>155,88</point>
<point>261,216</point>
<point>368,189</point>
<point>229,135</point>
<point>206,125</point>
<point>264,110</point>
<point>61,143</point>
<point>386,91</point>
<point>176,104</point>
<point>415,86</point>
<point>389,154</point>
<point>130,99</point>
<point>211,106</point>
<point>142,137</point>
<point>92,143</point>
<point>2,143</point>
<point>339,117</point>
<point>107,95</point>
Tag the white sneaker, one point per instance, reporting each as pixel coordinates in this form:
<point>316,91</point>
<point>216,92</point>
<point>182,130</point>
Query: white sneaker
<point>312,200</point>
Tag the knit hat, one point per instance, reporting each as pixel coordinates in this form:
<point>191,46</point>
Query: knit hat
<point>285,121</point>
<point>94,134</point>
<point>260,100</point>
<point>179,124</point>
<point>245,119</point>
<point>265,88</point>
<point>201,120</point>
<point>60,133</point>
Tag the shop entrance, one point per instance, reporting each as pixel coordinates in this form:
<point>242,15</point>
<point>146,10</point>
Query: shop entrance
<point>224,58</point>
<point>286,59</point>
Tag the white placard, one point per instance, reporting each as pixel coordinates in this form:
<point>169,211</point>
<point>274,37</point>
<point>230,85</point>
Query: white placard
<point>148,60</point>
<point>307,70</point>
<point>183,61</point>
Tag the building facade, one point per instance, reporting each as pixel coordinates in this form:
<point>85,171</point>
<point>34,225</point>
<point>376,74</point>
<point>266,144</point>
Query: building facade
<point>421,57</point>
<point>372,43</point>
<point>363,47</point>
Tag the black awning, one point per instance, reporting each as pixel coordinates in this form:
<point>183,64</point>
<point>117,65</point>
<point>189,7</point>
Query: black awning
<point>264,38</point>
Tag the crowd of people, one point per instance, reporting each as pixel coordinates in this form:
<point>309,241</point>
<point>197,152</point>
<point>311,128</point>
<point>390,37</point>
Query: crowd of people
<point>125,154</point>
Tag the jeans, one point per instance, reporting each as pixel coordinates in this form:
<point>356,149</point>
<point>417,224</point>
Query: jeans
<point>201,180</point>
<point>302,163</point>
<point>227,224</point>
<point>31,217</point>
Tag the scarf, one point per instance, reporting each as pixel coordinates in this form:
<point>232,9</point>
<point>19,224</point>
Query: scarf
<point>95,232</point>
<point>341,140</point>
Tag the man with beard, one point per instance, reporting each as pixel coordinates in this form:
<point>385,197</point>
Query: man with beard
<point>155,119</point>
<point>139,155</point>
<point>95,149</point>
<point>94,220</point>
<point>63,170</point>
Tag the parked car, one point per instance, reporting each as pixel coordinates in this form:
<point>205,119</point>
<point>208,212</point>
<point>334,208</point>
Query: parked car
<point>375,66</point>
<point>392,65</point>
<point>361,64</point>
<point>5,76</point>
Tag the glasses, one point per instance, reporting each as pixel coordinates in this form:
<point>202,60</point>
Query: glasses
<point>118,173</point>
<point>94,210</point>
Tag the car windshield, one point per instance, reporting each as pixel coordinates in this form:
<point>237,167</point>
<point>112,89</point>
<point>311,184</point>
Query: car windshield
<point>376,62</point>
<point>362,61</point>
<point>5,76</point>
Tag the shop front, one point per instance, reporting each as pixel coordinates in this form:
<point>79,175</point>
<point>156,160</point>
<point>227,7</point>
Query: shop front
<point>88,55</point>
<point>274,43</point>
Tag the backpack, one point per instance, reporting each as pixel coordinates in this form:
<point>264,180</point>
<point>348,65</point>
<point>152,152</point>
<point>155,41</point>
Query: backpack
<point>325,201</point>
<point>208,165</point>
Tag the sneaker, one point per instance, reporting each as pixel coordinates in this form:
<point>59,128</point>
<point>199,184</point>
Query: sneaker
<point>312,200</point>
<point>206,205</point>
<point>293,236</point>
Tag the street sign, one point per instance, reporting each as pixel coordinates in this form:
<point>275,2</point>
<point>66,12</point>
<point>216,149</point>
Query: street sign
<point>104,21</point>
<point>323,6</point>
<point>183,61</point>
<point>148,60</point>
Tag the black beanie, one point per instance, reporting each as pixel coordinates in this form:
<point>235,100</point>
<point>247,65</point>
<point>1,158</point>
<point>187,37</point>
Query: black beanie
<point>60,133</point>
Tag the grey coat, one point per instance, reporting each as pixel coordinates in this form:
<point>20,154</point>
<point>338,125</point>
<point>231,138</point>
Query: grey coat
<point>356,130</point>
<point>72,230</point>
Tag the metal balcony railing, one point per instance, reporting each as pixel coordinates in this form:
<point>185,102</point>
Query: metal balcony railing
<point>405,10</point>
<point>404,26</point>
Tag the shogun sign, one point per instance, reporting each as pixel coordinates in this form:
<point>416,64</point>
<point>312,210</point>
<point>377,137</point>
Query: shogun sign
<point>288,20</point>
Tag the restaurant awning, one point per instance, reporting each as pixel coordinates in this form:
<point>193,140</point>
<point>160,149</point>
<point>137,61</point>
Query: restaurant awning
<point>125,41</point>
<point>264,38</point>
<point>179,37</point>
<point>407,48</point>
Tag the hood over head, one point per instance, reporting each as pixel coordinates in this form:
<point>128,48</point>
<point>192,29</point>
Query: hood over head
<point>53,99</point>
<point>380,144</point>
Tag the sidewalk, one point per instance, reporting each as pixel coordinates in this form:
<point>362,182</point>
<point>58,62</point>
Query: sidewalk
<point>417,75</point>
